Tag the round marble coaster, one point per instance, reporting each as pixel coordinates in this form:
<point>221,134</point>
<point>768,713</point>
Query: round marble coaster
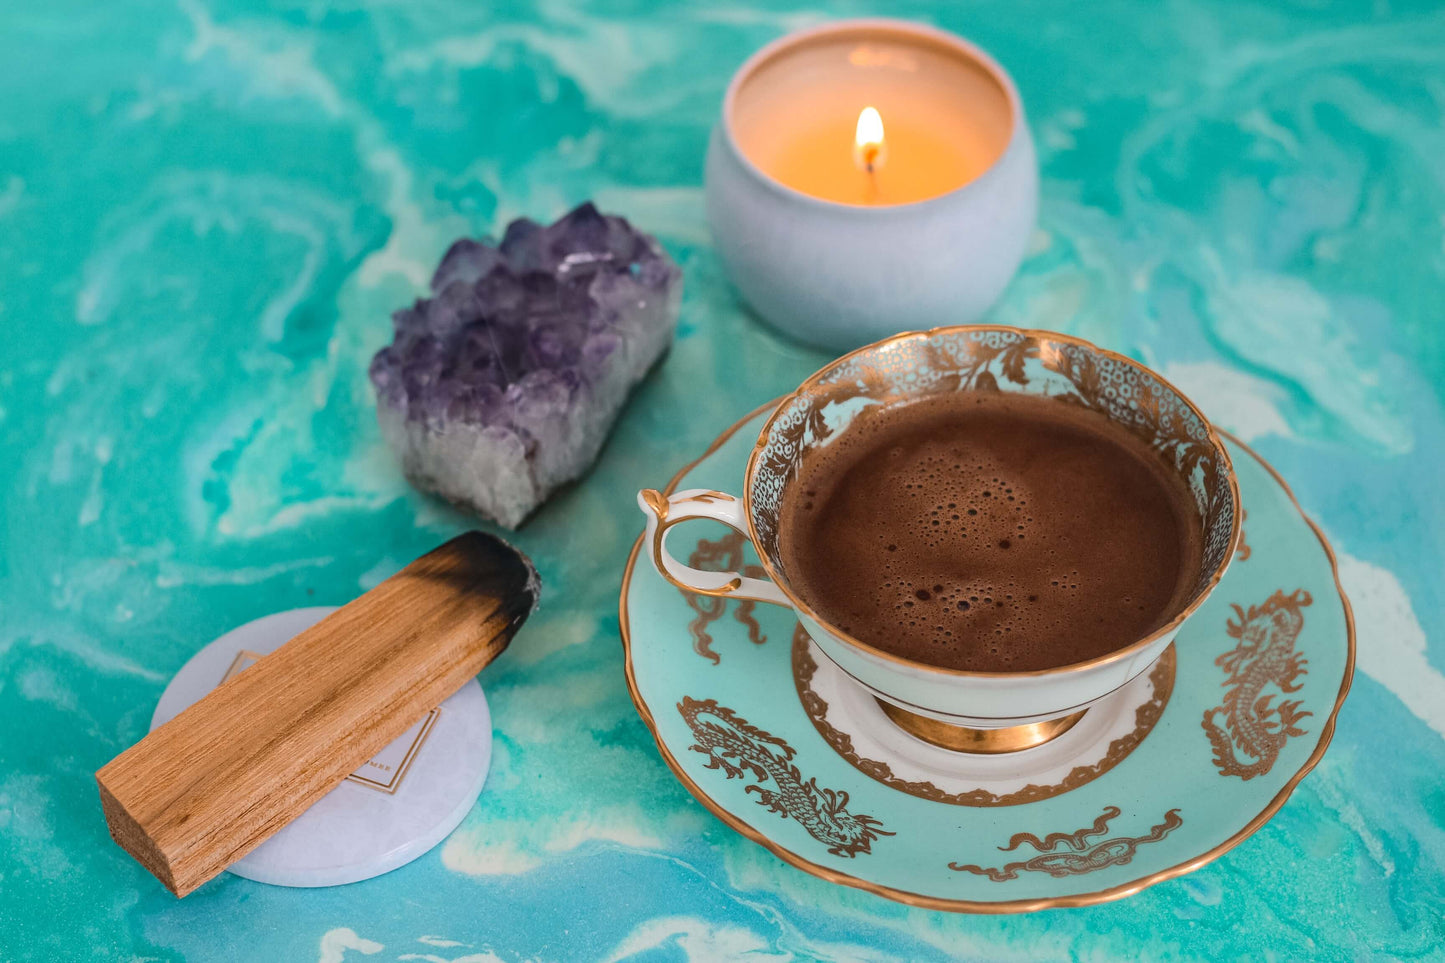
<point>391,810</point>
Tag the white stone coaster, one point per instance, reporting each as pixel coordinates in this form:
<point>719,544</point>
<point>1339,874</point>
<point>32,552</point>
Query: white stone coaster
<point>391,810</point>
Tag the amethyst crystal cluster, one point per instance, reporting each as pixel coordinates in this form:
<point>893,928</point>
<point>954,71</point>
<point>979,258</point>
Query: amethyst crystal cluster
<point>505,383</point>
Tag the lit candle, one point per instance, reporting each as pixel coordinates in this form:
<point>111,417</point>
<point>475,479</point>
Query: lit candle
<point>868,144</point>
<point>868,140</point>
<point>871,176</point>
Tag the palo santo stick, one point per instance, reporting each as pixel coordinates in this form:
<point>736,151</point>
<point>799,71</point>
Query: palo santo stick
<point>216,781</point>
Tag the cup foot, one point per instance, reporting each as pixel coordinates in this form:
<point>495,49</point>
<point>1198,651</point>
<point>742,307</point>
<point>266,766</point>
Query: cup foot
<point>984,741</point>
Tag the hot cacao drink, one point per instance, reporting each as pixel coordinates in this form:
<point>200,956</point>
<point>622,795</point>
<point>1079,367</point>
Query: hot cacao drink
<point>990,532</point>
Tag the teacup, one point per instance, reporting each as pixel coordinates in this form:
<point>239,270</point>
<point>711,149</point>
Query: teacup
<point>967,710</point>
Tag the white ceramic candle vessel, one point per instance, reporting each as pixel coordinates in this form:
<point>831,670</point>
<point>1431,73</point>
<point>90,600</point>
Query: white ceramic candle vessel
<point>967,358</point>
<point>835,254</point>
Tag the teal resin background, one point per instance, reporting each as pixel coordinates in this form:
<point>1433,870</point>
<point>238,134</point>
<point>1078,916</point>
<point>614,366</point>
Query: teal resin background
<point>209,207</point>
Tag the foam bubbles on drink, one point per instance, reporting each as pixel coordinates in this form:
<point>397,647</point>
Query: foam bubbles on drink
<point>963,573</point>
<point>953,500</point>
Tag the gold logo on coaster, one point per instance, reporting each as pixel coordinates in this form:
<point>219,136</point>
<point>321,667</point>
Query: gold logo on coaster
<point>383,771</point>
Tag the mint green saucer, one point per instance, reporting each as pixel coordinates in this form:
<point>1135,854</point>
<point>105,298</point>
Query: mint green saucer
<point>1179,767</point>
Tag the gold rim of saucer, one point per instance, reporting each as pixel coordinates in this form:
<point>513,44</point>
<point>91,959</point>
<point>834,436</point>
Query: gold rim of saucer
<point>974,906</point>
<point>1035,334</point>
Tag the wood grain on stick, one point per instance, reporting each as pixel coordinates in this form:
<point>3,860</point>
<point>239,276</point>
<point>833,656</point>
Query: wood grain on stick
<point>216,781</point>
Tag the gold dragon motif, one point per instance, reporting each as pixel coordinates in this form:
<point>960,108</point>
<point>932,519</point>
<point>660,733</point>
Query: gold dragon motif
<point>1245,729</point>
<point>737,748</point>
<point>1078,855</point>
<point>726,554</point>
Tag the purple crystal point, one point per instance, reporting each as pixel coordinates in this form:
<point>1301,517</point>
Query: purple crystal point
<point>505,383</point>
<point>466,261</point>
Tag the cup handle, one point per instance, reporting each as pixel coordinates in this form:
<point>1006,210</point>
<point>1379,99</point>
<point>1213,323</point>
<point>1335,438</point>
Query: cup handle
<point>663,512</point>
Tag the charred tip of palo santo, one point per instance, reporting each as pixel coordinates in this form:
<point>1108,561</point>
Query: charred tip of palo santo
<point>502,569</point>
<point>220,778</point>
<point>532,589</point>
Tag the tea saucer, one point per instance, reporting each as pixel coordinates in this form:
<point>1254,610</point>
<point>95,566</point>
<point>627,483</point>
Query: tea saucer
<point>1173,770</point>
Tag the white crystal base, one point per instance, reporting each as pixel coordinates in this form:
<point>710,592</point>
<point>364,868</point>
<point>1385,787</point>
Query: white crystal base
<point>396,807</point>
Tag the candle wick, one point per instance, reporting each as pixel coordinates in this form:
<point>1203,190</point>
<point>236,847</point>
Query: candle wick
<point>867,158</point>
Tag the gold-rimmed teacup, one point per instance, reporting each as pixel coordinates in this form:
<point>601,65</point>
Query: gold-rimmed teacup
<point>965,710</point>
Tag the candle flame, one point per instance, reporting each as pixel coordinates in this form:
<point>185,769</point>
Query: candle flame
<point>869,136</point>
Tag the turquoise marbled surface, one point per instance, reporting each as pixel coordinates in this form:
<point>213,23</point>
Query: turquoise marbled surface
<point>208,207</point>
